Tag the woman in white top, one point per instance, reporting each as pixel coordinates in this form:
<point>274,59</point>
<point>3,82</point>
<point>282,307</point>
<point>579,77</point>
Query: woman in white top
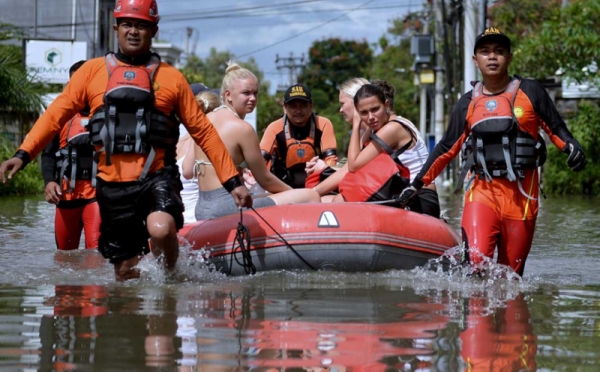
<point>208,101</point>
<point>415,157</point>
<point>239,97</point>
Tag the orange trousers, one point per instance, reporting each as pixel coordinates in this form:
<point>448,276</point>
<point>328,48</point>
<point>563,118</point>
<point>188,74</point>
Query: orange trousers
<point>69,222</point>
<point>483,230</point>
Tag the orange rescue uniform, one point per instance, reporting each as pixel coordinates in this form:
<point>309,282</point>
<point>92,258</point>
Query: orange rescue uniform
<point>172,94</point>
<point>294,146</point>
<point>534,110</point>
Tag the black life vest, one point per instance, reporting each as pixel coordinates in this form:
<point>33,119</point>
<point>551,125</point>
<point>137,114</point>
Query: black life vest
<point>75,157</point>
<point>128,122</point>
<point>497,147</point>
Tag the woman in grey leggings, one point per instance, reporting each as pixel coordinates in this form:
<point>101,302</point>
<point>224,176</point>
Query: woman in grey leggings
<point>239,94</point>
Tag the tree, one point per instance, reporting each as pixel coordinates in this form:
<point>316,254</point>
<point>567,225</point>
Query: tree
<point>211,70</point>
<point>393,64</point>
<point>567,39</point>
<point>19,95</point>
<point>333,61</point>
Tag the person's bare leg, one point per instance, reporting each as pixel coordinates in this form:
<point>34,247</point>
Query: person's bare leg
<point>296,196</point>
<point>163,237</point>
<point>126,270</point>
<point>338,199</point>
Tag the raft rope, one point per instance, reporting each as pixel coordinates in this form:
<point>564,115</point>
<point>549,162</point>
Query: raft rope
<point>242,238</point>
<point>284,241</point>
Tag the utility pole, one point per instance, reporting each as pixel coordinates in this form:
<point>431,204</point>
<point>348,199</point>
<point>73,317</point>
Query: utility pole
<point>293,64</point>
<point>35,18</point>
<point>439,72</point>
<point>468,44</point>
<point>188,35</point>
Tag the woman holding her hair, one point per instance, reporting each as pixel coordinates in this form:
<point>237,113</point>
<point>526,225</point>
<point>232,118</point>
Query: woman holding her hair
<point>372,166</point>
<point>239,97</point>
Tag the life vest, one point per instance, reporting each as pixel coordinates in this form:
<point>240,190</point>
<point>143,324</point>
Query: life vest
<point>290,166</point>
<point>128,122</point>
<point>75,157</point>
<point>299,151</point>
<point>497,147</point>
<point>381,179</point>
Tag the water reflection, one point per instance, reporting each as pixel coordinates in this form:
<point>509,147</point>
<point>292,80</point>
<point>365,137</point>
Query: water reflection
<point>263,329</point>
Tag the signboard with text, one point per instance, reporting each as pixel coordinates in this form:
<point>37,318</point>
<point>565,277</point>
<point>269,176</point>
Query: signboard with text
<point>49,60</point>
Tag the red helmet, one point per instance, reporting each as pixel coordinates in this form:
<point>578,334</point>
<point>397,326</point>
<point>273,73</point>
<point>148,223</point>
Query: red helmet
<point>138,9</point>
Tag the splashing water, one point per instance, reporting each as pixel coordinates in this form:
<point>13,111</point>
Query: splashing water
<point>192,266</point>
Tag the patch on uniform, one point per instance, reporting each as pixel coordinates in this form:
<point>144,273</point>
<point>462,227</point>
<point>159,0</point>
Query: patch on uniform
<point>300,153</point>
<point>155,86</point>
<point>491,105</point>
<point>129,75</point>
<point>518,111</point>
<point>84,122</point>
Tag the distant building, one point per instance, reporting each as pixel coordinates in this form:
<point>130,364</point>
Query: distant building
<point>79,20</point>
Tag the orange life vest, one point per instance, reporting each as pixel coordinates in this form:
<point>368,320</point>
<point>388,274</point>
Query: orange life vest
<point>128,122</point>
<point>75,157</point>
<point>299,151</point>
<point>497,147</point>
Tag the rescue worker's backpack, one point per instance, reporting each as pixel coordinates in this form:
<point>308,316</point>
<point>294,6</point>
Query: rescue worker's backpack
<point>75,156</point>
<point>128,122</point>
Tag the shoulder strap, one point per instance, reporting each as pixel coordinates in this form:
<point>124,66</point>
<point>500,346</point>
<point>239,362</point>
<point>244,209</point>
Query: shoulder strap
<point>477,91</point>
<point>153,64</point>
<point>387,149</point>
<point>513,89</point>
<point>111,63</point>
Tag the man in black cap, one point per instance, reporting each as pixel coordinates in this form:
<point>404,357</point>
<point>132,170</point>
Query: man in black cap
<point>497,124</point>
<point>300,135</point>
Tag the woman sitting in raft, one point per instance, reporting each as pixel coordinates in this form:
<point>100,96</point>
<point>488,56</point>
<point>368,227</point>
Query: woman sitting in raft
<point>239,96</point>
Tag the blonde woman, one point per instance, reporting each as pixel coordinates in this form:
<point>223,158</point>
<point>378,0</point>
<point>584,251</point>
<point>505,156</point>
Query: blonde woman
<point>239,94</point>
<point>208,101</point>
<point>348,90</point>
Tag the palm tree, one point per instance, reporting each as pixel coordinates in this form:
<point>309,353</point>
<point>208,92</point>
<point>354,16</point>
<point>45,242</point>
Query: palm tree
<point>20,98</point>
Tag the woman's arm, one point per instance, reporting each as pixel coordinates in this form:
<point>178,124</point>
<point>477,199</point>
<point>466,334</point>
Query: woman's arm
<point>187,167</point>
<point>395,136</point>
<point>247,140</point>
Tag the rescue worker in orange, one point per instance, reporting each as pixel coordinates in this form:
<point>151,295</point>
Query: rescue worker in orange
<point>300,135</point>
<point>134,99</point>
<point>497,123</point>
<point>67,171</point>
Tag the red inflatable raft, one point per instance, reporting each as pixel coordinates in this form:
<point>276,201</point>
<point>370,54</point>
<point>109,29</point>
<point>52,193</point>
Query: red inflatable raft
<point>349,237</point>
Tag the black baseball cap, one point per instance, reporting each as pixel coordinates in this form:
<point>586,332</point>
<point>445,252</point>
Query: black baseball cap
<point>297,91</point>
<point>491,33</point>
<point>198,88</point>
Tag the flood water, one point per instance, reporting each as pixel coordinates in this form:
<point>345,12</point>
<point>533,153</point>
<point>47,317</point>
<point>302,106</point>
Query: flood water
<point>62,311</point>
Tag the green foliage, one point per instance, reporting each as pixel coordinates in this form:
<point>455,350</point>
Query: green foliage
<point>333,61</point>
<point>393,65</point>
<point>18,94</point>
<point>28,181</point>
<point>211,70</point>
<point>548,37</point>
<point>558,177</point>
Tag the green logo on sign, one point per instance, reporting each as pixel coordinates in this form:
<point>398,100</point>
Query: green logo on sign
<point>53,57</point>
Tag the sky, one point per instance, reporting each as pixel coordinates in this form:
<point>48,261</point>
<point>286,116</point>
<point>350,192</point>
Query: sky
<point>264,28</point>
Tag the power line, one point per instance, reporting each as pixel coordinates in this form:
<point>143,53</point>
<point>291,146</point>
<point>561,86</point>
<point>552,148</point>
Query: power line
<point>305,31</point>
<point>268,12</point>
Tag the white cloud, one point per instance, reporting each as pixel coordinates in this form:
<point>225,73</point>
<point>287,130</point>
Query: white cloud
<point>275,21</point>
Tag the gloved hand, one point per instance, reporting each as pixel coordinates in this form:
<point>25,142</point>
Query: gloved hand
<point>577,159</point>
<point>406,194</point>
